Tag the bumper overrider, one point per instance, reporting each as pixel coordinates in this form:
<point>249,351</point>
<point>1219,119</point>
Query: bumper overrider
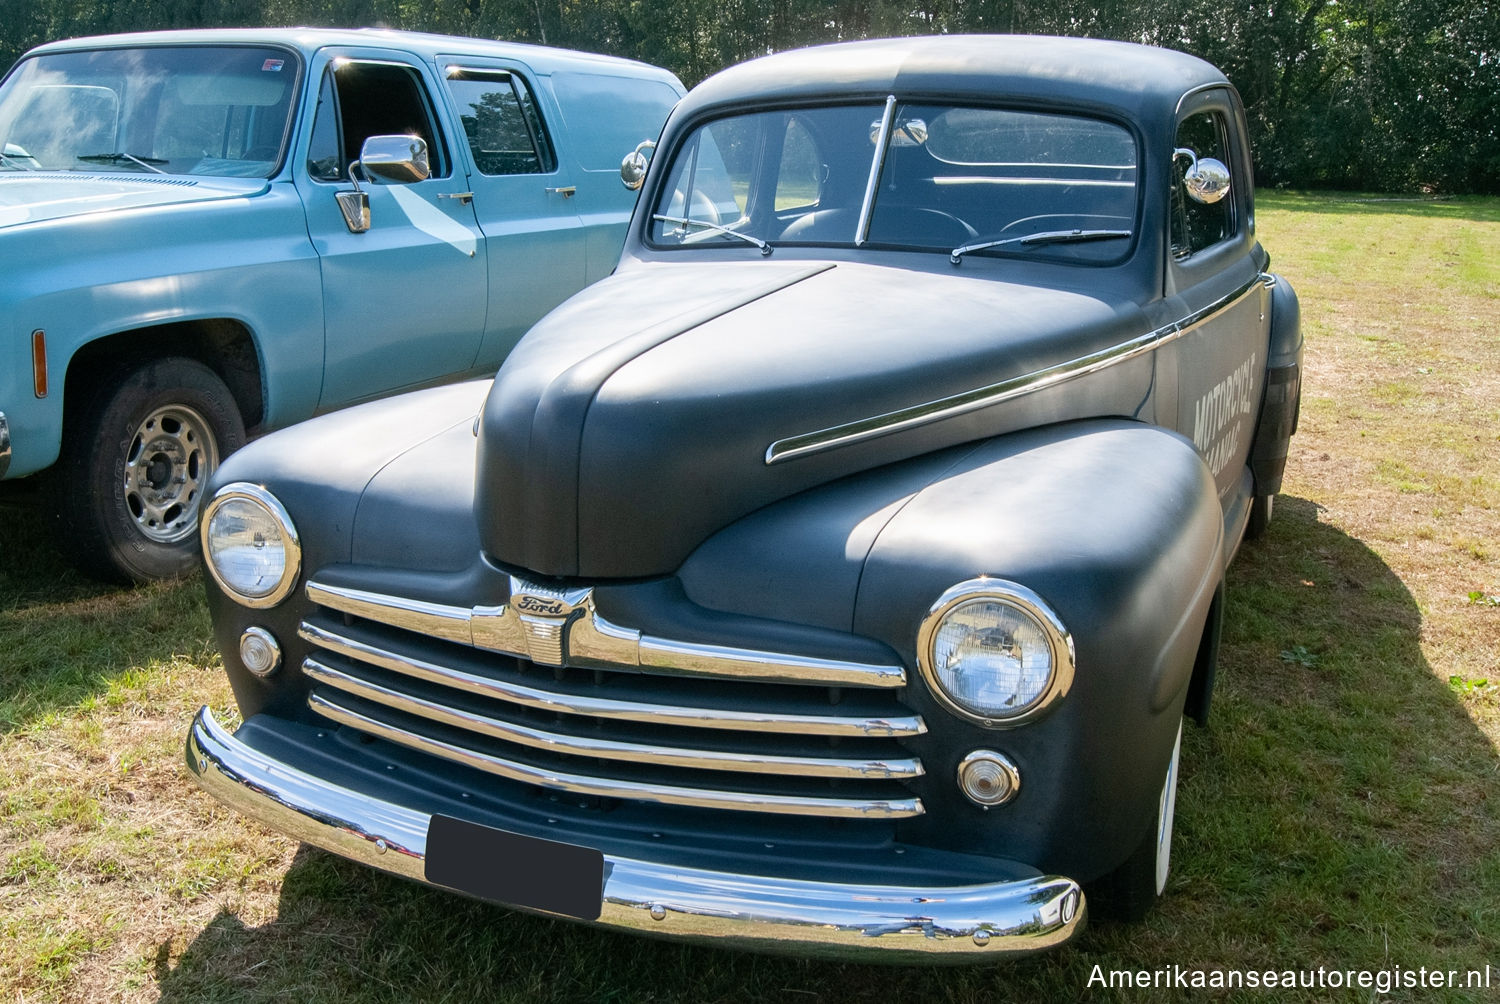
<point>956,923</point>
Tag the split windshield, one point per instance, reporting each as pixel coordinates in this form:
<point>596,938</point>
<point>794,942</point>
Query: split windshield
<point>206,110</point>
<point>982,181</point>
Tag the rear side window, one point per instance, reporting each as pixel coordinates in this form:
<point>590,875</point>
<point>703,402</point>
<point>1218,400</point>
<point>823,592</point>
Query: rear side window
<point>609,116</point>
<point>1196,226</point>
<point>360,99</point>
<point>501,122</point>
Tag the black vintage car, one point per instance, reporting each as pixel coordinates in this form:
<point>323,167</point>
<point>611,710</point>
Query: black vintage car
<point>834,577</point>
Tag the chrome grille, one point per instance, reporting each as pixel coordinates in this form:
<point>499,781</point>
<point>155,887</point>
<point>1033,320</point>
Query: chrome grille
<point>544,691</point>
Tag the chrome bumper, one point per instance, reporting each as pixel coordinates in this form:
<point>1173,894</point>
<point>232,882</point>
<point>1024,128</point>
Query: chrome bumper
<point>968,923</point>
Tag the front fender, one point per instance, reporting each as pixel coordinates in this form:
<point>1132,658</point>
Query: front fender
<point>1114,523</point>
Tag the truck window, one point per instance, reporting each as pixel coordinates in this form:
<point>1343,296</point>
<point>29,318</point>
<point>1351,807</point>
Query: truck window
<point>362,98</point>
<point>1196,226</point>
<point>501,122</point>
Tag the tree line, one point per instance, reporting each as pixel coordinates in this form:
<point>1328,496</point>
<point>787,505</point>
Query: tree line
<point>1381,95</point>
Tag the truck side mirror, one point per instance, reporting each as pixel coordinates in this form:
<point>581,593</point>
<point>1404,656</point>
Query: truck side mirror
<point>397,160</point>
<point>400,160</point>
<point>633,167</point>
<point>1206,179</point>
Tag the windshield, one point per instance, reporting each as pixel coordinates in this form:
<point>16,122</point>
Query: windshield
<point>959,180</point>
<point>187,110</point>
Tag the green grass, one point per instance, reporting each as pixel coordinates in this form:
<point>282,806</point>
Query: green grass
<point>1342,809</point>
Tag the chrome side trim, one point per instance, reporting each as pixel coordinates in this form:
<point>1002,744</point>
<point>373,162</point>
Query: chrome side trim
<point>555,628</point>
<point>955,405</point>
<point>608,749</point>
<point>4,444</point>
<point>660,714</point>
<point>604,787</point>
<point>967,923</point>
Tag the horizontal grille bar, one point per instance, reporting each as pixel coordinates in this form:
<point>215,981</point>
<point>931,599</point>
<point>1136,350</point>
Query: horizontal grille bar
<point>597,707</point>
<point>806,805</point>
<point>554,627</point>
<point>609,749</point>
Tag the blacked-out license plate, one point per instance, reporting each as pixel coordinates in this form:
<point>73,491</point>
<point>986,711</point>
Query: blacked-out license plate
<point>511,868</point>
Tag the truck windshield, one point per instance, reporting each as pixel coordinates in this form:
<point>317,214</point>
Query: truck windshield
<point>983,181</point>
<point>207,110</point>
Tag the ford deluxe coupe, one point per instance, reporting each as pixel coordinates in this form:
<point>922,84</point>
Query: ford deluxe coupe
<point>836,576</point>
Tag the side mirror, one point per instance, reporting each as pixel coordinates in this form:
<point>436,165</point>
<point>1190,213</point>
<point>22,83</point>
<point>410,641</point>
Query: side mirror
<point>401,160</point>
<point>1206,180</point>
<point>633,167</point>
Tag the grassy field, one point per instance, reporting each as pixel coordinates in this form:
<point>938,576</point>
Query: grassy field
<point>1342,810</point>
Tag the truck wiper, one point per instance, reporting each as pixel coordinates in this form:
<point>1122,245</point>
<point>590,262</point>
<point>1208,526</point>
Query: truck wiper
<point>120,158</point>
<point>1045,237</point>
<point>764,247</point>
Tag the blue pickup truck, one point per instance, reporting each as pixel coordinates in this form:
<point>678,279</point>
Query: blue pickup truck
<point>210,234</point>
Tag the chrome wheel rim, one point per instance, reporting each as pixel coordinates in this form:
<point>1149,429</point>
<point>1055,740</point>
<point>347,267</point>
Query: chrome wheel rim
<point>1166,809</point>
<point>167,464</point>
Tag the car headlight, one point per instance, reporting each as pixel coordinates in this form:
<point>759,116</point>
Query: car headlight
<point>995,653</point>
<point>250,545</point>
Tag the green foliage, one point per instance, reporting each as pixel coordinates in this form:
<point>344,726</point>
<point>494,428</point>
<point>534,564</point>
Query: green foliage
<point>1379,95</point>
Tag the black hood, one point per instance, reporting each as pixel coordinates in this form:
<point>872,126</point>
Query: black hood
<point>636,419</point>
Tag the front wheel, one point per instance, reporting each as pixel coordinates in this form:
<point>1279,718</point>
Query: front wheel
<point>1131,890</point>
<point>135,465</point>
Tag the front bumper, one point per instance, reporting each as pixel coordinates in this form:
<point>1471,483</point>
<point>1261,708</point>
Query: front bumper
<point>960,923</point>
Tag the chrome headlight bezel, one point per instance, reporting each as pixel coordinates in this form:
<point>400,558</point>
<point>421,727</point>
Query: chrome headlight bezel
<point>1030,606</point>
<point>244,491</point>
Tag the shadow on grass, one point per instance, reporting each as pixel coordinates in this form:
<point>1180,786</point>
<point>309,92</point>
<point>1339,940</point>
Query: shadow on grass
<point>1341,811</point>
<point>65,637</point>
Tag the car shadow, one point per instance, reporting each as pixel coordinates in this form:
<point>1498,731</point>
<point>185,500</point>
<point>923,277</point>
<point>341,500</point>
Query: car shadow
<point>1341,809</point>
<point>64,636</point>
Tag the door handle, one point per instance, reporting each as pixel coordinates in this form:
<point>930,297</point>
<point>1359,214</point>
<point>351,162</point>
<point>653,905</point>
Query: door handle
<point>463,197</point>
<point>566,192</point>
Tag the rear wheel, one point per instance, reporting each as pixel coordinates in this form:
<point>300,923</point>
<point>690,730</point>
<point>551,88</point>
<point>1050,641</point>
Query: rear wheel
<point>1260,516</point>
<point>1131,890</point>
<point>135,465</point>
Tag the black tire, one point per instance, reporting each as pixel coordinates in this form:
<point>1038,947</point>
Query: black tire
<point>1260,516</point>
<point>1130,891</point>
<point>136,459</point>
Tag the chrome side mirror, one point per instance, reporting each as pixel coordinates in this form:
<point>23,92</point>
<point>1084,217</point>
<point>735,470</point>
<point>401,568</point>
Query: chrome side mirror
<point>355,206</point>
<point>1206,179</point>
<point>401,160</point>
<point>633,167</point>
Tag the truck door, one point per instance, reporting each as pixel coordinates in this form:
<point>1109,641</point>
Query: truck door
<point>404,301</point>
<point>1220,357</point>
<point>523,197</point>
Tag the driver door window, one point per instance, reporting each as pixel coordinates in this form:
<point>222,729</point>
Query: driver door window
<point>1196,226</point>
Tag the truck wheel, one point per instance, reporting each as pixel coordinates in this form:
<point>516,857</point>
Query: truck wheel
<point>1130,891</point>
<point>1260,516</point>
<point>134,468</point>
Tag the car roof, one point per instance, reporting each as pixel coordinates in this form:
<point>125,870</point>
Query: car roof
<point>1136,81</point>
<point>308,40</point>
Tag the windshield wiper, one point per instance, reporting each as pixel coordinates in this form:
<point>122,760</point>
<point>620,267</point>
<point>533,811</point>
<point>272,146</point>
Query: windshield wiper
<point>764,247</point>
<point>120,158</point>
<point>1045,237</point>
<point>7,162</point>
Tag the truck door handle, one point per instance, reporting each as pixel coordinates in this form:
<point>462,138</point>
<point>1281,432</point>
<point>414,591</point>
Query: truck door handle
<point>463,197</point>
<point>566,192</point>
